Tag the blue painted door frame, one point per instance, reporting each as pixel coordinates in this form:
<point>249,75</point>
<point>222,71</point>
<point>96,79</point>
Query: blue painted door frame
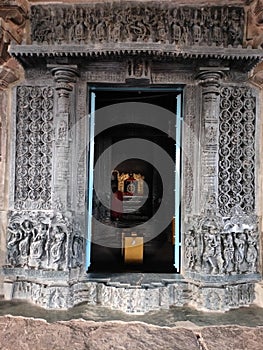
<point>177,171</point>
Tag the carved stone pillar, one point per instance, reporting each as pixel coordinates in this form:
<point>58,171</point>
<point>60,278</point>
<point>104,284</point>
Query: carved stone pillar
<point>65,77</point>
<point>210,82</point>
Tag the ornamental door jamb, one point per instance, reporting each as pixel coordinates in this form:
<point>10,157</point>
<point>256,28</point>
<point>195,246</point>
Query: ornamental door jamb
<point>90,176</point>
<point>177,171</point>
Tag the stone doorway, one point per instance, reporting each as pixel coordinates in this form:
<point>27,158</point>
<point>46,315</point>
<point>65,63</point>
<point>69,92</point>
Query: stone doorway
<point>140,118</point>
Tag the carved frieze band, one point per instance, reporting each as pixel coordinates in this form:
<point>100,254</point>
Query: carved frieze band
<point>236,181</point>
<point>116,22</point>
<point>34,134</point>
<point>44,240</point>
<point>218,246</point>
<point>222,299</point>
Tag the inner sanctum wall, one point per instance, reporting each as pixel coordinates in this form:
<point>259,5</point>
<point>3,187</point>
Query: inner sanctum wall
<point>59,57</point>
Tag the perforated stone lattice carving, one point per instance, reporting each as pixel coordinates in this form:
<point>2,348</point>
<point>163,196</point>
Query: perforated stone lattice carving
<point>34,132</point>
<point>182,26</point>
<point>237,150</point>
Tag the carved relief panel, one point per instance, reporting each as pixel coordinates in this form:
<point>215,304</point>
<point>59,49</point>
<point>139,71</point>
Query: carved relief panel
<point>44,240</point>
<point>217,246</point>
<point>34,134</point>
<point>153,23</point>
<point>237,149</point>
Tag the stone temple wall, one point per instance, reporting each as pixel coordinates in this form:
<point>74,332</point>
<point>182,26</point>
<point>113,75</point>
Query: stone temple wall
<point>213,51</point>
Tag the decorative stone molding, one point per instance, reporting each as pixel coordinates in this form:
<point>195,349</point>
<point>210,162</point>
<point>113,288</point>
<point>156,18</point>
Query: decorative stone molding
<point>223,299</point>
<point>130,298</point>
<point>117,29</point>
<point>13,15</point>
<point>191,148</point>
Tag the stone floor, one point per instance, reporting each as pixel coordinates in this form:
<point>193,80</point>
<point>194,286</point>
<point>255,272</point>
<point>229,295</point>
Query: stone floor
<point>25,326</point>
<point>176,316</point>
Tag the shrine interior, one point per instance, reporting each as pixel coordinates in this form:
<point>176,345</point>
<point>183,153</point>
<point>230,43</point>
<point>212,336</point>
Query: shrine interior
<point>158,253</point>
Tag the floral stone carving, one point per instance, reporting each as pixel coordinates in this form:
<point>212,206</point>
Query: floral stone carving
<point>34,133</point>
<point>237,149</point>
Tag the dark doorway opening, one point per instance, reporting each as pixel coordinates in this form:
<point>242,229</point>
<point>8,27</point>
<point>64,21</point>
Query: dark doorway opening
<point>138,205</point>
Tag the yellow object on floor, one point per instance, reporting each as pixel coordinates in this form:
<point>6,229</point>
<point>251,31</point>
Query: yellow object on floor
<point>133,250</point>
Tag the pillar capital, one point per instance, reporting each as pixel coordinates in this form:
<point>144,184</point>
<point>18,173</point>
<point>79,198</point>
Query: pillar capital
<point>64,76</point>
<point>210,76</point>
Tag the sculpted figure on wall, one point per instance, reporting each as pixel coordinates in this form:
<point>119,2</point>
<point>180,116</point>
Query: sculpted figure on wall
<point>190,249</point>
<point>39,240</point>
<point>229,246</point>
<point>228,253</point>
<point>212,255</point>
<point>161,23</point>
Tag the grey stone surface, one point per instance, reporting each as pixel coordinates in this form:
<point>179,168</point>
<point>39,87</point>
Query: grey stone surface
<point>46,229</point>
